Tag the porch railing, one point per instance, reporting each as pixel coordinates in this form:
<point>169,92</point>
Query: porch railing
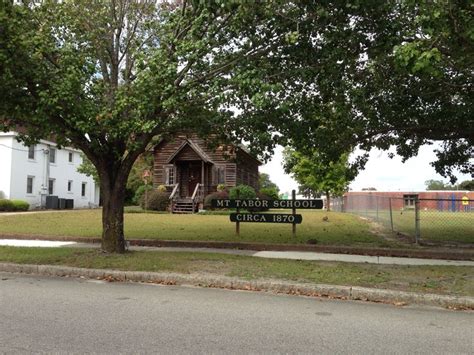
<point>173,196</point>
<point>175,190</point>
<point>196,194</point>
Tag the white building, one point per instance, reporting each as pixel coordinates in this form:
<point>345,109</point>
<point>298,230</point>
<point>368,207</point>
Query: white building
<point>32,173</point>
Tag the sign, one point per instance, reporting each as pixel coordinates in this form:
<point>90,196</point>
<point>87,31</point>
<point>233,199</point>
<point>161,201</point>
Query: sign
<point>146,175</point>
<point>465,201</point>
<point>300,204</point>
<point>266,218</point>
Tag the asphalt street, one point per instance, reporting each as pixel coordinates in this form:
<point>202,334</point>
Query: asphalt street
<point>65,315</point>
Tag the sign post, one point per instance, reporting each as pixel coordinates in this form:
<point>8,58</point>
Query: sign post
<point>237,224</point>
<point>293,197</point>
<point>145,176</point>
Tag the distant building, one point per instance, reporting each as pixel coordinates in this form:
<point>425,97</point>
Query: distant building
<point>33,173</point>
<point>443,200</point>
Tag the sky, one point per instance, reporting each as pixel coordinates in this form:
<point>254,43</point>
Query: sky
<point>381,172</point>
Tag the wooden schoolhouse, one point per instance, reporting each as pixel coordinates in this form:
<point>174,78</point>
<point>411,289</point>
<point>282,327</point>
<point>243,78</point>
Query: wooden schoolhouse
<point>191,169</point>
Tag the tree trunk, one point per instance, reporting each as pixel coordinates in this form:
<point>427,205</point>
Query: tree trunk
<point>328,201</point>
<point>113,198</point>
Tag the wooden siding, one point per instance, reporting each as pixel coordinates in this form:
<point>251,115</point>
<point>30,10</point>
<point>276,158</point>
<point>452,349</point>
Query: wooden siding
<point>247,170</point>
<point>187,154</point>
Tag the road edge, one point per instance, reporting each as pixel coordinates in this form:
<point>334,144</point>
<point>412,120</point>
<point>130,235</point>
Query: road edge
<point>223,282</point>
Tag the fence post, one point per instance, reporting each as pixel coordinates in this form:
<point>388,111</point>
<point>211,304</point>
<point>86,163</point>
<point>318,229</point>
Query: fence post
<point>391,215</point>
<point>417,220</point>
<point>377,208</point>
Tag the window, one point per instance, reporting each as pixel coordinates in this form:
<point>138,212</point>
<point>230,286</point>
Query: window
<point>220,175</point>
<point>409,200</point>
<point>169,175</point>
<point>52,155</point>
<point>83,189</point>
<point>51,187</point>
<point>71,155</point>
<point>31,152</point>
<point>69,186</point>
<point>29,184</point>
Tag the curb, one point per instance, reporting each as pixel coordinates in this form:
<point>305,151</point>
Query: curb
<point>446,254</point>
<point>224,282</point>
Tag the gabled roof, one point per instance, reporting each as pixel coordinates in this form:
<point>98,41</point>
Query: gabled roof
<point>194,147</point>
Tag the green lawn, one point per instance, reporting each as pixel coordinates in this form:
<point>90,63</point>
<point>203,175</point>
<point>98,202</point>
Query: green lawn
<point>432,279</point>
<point>340,229</point>
<point>434,226</point>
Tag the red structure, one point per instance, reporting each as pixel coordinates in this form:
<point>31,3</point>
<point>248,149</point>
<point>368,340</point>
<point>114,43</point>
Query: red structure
<point>462,201</point>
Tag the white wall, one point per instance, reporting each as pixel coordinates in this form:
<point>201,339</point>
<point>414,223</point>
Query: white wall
<point>61,171</point>
<point>5,163</point>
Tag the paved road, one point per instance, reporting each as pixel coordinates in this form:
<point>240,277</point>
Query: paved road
<point>57,315</point>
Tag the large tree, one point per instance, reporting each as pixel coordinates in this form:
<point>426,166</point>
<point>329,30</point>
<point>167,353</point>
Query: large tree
<point>402,75</point>
<point>109,76</point>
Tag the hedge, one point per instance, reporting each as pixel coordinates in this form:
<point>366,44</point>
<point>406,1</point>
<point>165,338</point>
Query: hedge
<point>13,205</point>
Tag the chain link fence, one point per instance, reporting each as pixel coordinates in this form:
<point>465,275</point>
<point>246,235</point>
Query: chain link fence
<point>422,220</point>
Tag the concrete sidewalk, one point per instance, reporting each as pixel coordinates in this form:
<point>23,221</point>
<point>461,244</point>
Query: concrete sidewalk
<point>290,255</point>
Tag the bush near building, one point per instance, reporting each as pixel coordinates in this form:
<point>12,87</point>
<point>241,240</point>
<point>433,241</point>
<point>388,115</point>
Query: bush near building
<point>13,205</point>
<point>214,196</point>
<point>156,200</point>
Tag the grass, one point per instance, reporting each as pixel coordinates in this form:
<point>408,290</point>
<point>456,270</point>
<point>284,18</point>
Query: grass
<point>340,229</point>
<point>434,226</point>
<point>453,280</point>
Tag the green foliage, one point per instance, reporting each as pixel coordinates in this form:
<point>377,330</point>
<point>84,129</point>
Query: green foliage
<point>6,206</point>
<point>140,192</point>
<point>270,192</point>
<point>221,187</point>
<point>13,205</point>
<point>110,77</point>
<point>264,182</point>
<point>242,192</point>
<point>88,169</point>
<point>19,205</point>
<point>135,179</point>
<point>162,188</point>
<point>440,185</point>
<point>437,185</point>
<point>466,185</point>
<point>312,172</point>
<point>215,195</point>
<point>156,201</point>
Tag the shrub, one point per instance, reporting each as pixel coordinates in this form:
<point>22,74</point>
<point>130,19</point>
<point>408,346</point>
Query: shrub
<point>13,205</point>
<point>221,187</point>
<point>140,192</point>
<point>156,201</point>
<point>270,192</point>
<point>6,205</point>
<point>261,196</point>
<point>19,205</point>
<point>162,188</point>
<point>242,192</point>
<point>215,195</point>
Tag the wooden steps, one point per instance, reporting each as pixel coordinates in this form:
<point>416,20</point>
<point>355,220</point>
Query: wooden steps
<point>184,205</point>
